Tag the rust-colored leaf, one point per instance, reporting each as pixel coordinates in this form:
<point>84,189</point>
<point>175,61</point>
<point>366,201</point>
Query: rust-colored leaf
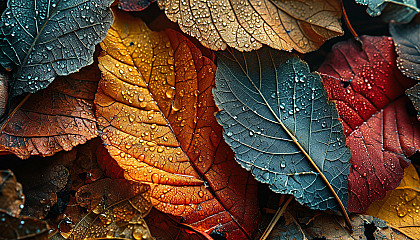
<point>166,227</point>
<point>57,118</point>
<point>156,112</point>
<point>247,25</point>
<point>368,90</point>
<point>11,195</point>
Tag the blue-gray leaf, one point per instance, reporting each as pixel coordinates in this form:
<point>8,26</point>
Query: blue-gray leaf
<point>398,10</point>
<point>278,120</point>
<point>42,39</point>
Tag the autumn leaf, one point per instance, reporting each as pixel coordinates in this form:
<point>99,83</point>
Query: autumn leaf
<point>397,10</point>
<point>400,208</point>
<point>277,119</point>
<point>134,5</point>
<point>247,25</point>
<point>116,209</point>
<point>166,227</point>
<point>57,118</point>
<point>368,90</point>
<point>44,39</point>
<point>11,195</point>
<point>155,109</point>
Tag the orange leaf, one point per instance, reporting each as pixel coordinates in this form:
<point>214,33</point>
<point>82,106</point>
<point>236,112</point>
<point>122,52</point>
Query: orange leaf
<point>54,119</point>
<point>155,109</point>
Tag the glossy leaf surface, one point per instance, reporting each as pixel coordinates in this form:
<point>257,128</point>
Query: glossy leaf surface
<point>401,207</point>
<point>156,112</point>
<point>398,10</point>
<point>277,119</point>
<point>247,25</point>
<point>57,118</point>
<point>368,90</point>
<point>41,40</point>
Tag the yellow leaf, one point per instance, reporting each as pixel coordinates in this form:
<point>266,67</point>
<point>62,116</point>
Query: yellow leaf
<point>303,25</point>
<point>401,207</point>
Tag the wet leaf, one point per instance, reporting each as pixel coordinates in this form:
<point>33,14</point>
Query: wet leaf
<point>12,228</point>
<point>407,43</point>
<point>247,25</point>
<point>398,10</point>
<point>11,195</point>
<point>401,207</point>
<point>134,5</point>
<point>277,119</point>
<point>155,109</point>
<point>368,90</point>
<point>57,118</point>
<point>44,39</point>
<point>414,94</point>
<point>117,208</point>
<point>166,227</point>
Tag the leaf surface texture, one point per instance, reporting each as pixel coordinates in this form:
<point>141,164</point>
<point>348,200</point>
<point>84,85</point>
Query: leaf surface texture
<point>368,90</point>
<point>156,113</point>
<point>247,25</point>
<point>278,121</point>
<point>44,39</point>
<point>54,119</point>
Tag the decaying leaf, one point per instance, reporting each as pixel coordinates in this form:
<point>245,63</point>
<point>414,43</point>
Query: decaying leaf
<point>247,25</point>
<point>117,208</point>
<point>12,228</point>
<point>57,118</point>
<point>11,195</point>
<point>155,109</point>
<point>134,5</point>
<point>401,207</point>
<point>44,39</point>
<point>407,45</point>
<point>397,10</point>
<point>277,118</point>
<point>165,227</point>
<point>368,90</point>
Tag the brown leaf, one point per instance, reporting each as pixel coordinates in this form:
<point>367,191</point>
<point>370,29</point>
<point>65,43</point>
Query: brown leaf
<point>117,208</point>
<point>14,228</point>
<point>54,119</point>
<point>247,25</point>
<point>166,227</point>
<point>11,195</point>
<point>156,111</point>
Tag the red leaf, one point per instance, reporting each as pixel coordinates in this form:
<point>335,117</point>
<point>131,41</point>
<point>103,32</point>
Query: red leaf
<point>368,90</point>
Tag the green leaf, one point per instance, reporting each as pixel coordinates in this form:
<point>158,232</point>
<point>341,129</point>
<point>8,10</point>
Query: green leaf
<point>40,40</point>
<point>278,121</point>
<point>398,10</point>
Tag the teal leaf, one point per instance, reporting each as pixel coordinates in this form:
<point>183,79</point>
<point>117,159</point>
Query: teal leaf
<point>398,10</point>
<point>42,39</point>
<point>277,119</point>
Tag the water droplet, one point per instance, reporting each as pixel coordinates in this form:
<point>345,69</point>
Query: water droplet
<point>200,193</point>
<point>155,178</point>
<point>229,134</point>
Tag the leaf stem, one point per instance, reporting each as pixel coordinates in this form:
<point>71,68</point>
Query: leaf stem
<point>348,24</point>
<point>276,218</point>
<point>9,116</point>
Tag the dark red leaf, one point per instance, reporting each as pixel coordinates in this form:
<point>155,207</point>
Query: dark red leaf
<point>368,90</point>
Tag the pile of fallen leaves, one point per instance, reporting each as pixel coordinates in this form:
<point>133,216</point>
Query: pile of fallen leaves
<point>209,119</point>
